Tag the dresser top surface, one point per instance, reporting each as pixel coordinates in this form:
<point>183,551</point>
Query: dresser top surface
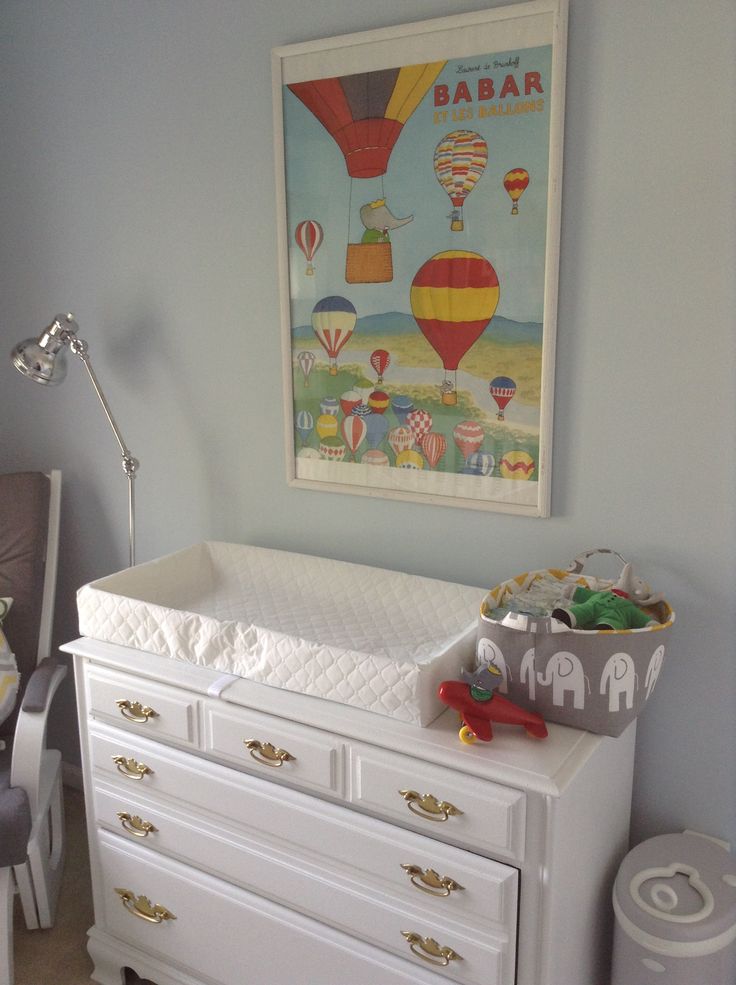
<point>546,765</point>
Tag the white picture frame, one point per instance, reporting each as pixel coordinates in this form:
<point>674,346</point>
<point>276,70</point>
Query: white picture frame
<point>482,97</point>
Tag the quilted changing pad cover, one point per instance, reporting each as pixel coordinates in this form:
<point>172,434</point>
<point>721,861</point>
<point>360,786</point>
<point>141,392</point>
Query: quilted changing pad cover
<point>377,639</point>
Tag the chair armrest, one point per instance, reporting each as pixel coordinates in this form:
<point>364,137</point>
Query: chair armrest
<point>29,744</point>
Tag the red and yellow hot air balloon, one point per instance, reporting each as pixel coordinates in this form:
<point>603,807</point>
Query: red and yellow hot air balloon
<point>515,183</point>
<point>309,236</point>
<point>453,297</point>
<point>459,161</point>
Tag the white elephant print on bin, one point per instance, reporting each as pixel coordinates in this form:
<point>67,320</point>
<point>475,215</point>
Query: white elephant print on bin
<point>490,652</point>
<point>528,673</point>
<point>619,678</point>
<point>655,665</point>
<point>565,673</point>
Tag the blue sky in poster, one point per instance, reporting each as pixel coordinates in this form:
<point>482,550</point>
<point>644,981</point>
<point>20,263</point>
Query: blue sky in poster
<point>318,187</point>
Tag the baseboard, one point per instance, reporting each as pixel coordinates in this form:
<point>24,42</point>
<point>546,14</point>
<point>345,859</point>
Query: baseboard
<point>72,776</point>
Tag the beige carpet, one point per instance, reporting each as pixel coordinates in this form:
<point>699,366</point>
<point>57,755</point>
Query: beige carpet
<point>59,956</point>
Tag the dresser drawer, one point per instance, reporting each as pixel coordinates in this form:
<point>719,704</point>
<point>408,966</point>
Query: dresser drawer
<point>467,959</point>
<point>154,710</point>
<point>274,748</point>
<point>439,802</point>
<point>229,936</point>
<point>289,847</point>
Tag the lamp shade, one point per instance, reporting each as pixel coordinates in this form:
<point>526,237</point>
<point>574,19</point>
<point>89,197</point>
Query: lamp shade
<point>43,359</point>
<point>39,363</point>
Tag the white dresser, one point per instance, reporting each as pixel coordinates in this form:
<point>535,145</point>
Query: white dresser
<point>263,837</point>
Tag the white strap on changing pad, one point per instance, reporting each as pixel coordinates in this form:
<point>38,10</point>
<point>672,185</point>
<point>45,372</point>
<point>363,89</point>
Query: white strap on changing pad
<point>217,687</point>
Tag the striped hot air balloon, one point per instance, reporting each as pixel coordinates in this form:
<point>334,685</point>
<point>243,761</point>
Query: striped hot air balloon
<point>434,446</point>
<point>480,463</point>
<point>306,360</point>
<point>515,183</point>
<point>309,235</point>
<point>380,360</point>
<point>400,439</point>
<point>502,389</point>
<point>353,431</point>
<point>453,298</point>
<point>333,321</point>
<point>468,436</point>
<point>459,161</point>
<point>304,425</point>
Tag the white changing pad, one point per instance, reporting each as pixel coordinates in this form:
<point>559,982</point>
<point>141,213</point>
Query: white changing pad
<point>377,639</point>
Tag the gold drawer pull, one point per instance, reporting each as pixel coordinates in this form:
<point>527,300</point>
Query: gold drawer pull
<point>141,906</point>
<point>134,711</point>
<point>429,950</point>
<point>268,754</point>
<point>427,806</point>
<point>135,825</point>
<point>430,882</point>
<point>131,768</point>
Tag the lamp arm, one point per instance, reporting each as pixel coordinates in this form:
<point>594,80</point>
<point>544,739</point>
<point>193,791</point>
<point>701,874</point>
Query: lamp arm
<point>130,464</point>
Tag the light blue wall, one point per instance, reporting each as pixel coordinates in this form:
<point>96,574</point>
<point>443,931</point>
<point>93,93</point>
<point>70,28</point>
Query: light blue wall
<point>137,189</point>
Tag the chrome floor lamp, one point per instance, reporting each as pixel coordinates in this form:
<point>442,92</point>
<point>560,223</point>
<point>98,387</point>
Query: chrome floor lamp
<point>43,360</point>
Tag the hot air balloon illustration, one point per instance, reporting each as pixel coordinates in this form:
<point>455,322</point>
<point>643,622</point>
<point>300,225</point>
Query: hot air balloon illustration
<point>332,448</point>
<point>434,446</point>
<point>353,431</point>
<point>326,426</point>
<point>306,360</point>
<point>515,183</point>
<point>516,464</point>
<point>479,463</point>
<point>365,114</point>
<point>409,459</point>
<point>502,390</point>
<point>459,161</point>
<point>401,406</point>
<point>377,426</point>
<point>468,437</point>
<point>380,360</point>
<point>400,439</point>
<point>374,456</point>
<point>304,425</point>
<point>420,423</point>
<point>309,236</point>
<point>453,298</point>
<point>333,321</point>
<point>349,400</point>
<point>379,402</point>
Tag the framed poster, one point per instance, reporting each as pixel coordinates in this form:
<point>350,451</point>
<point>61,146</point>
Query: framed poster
<point>419,183</point>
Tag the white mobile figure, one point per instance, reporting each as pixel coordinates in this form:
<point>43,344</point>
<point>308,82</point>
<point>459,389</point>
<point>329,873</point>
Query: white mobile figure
<point>490,652</point>
<point>655,665</point>
<point>565,672</point>
<point>619,678</point>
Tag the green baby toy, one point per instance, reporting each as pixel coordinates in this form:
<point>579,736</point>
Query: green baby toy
<point>608,609</point>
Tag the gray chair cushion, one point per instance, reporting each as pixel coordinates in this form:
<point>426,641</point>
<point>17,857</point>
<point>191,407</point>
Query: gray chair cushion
<point>15,817</point>
<point>23,533</point>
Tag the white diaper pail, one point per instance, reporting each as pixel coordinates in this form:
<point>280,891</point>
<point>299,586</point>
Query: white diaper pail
<point>675,904</point>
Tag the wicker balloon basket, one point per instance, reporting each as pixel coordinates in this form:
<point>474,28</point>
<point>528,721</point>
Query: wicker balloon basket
<point>369,263</point>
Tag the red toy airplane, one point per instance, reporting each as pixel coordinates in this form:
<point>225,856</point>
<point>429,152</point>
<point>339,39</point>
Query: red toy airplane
<point>479,706</point>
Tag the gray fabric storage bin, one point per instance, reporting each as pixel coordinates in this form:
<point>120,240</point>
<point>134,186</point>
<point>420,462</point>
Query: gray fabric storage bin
<point>598,680</point>
<point>675,905</point>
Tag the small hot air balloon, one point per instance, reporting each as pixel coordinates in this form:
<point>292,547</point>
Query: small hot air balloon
<point>361,410</point>
<point>459,161</point>
<point>308,453</point>
<point>329,405</point>
<point>377,426</point>
<point>453,297</point>
<point>420,423</point>
<point>375,456</point>
<point>434,446</point>
<point>333,321</point>
<point>516,464</point>
<point>515,183</point>
<point>379,401</point>
<point>502,390</point>
<point>332,448</point>
<point>349,400</point>
<point>401,406</point>
<point>380,360</point>
<point>306,360</point>
<point>479,463</point>
<point>409,459</point>
<point>400,439</point>
<point>326,425</point>
<point>309,235</point>
<point>353,431</point>
<point>304,425</point>
<point>468,437</point>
